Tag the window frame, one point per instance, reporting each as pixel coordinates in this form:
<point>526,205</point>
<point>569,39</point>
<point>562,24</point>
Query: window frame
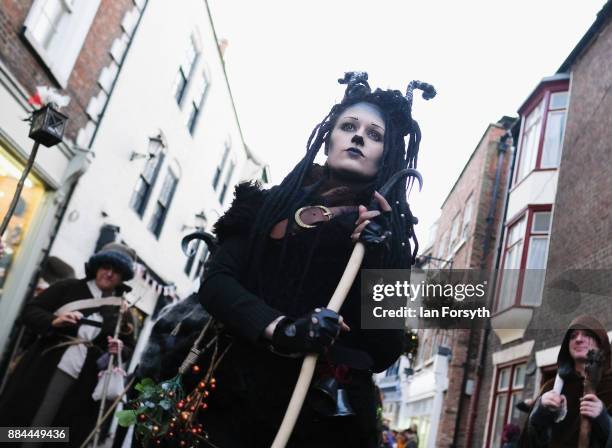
<point>64,48</point>
<point>159,161</point>
<point>508,392</point>
<point>187,78</point>
<point>543,97</point>
<point>528,214</point>
<point>227,148</point>
<point>197,104</point>
<point>165,207</point>
<point>228,178</point>
<point>467,218</point>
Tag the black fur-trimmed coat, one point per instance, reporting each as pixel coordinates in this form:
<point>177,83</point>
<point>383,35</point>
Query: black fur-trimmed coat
<point>254,384</point>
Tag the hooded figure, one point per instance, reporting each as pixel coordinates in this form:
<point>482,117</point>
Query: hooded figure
<point>555,419</point>
<point>53,383</point>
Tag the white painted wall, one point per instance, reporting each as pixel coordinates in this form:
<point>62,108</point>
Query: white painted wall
<point>141,104</point>
<point>539,187</point>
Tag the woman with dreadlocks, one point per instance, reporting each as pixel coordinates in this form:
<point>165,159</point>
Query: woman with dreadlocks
<point>281,254</point>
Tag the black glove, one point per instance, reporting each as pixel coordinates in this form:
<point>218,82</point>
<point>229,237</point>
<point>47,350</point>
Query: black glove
<point>311,333</point>
<point>378,230</point>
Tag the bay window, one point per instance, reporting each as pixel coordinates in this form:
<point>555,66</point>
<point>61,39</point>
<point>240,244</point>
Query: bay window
<point>524,259</point>
<point>508,392</point>
<point>542,133</point>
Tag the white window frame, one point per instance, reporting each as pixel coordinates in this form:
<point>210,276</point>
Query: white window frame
<point>65,46</point>
<point>468,211</point>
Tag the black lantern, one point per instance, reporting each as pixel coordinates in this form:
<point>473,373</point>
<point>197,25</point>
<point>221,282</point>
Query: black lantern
<point>48,126</point>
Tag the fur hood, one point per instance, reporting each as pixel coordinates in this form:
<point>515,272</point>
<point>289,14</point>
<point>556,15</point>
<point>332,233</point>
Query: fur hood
<point>248,198</point>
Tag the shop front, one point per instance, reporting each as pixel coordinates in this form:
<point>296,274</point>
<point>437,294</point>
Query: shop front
<point>21,223</point>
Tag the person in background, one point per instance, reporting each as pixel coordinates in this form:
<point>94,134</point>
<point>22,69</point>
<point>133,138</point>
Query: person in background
<point>53,383</point>
<point>554,421</point>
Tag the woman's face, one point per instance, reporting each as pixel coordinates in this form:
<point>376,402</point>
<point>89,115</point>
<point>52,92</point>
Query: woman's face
<point>356,143</point>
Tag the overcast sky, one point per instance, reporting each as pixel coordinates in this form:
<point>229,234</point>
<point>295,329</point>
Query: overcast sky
<point>483,57</point>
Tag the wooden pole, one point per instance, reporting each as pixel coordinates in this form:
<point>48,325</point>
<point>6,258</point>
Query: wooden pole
<point>107,375</point>
<point>310,361</point>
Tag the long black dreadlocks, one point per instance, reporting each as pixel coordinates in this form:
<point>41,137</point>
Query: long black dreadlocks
<point>283,200</point>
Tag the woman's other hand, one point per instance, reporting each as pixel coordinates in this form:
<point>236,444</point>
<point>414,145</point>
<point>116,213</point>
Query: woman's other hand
<point>67,319</point>
<point>114,345</point>
<point>380,227</point>
<point>366,216</point>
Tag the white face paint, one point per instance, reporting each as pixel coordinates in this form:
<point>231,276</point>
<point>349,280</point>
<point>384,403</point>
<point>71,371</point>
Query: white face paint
<point>357,141</point>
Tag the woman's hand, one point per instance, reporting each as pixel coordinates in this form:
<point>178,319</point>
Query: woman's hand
<point>311,333</point>
<point>67,319</point>
<point>114,345</point>
<point>366,216</point>
<point>590,406</point>
<point>553,401</point>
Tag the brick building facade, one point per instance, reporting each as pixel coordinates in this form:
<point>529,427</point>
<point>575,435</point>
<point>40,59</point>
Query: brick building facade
<point>433,396</point>
<point>579,253</point>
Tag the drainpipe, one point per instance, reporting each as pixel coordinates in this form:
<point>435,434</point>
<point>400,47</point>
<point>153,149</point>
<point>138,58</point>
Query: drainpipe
<point>502,147</point>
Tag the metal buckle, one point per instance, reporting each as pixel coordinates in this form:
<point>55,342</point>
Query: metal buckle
<point>326,212</point>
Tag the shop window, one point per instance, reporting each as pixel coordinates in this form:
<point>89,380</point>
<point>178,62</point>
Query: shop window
<point>508,392</point>
<point>525,256</point>
<point>163,203</point>
<point>542,134</point>
<point>29,203</point>
<point>56,30</point>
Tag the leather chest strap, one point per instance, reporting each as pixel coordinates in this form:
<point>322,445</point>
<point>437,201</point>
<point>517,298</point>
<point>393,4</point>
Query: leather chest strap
<point>309,217</point>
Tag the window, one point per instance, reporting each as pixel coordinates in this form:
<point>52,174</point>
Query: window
<point>555,125</point>
<point>47,26</point>
<point>467,217</point>
<point>56,31</point>
<point>163,203</point>
<point>509,385</point>
<point>525,256</point>
<point>199,254</point>
<point>536,259</point>
<point>432,234</point>
<point>442,246</point>
<point>394,369</point>
<point>196,103</point>
<point>226,184</point>
<point>543,151</point>
<point>184,72</point>
<point>454,235</point>
<point>146,181</point>
<point>221,165</point>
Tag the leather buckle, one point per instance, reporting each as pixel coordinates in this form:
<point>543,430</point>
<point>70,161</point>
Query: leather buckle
<point>298,219</point>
